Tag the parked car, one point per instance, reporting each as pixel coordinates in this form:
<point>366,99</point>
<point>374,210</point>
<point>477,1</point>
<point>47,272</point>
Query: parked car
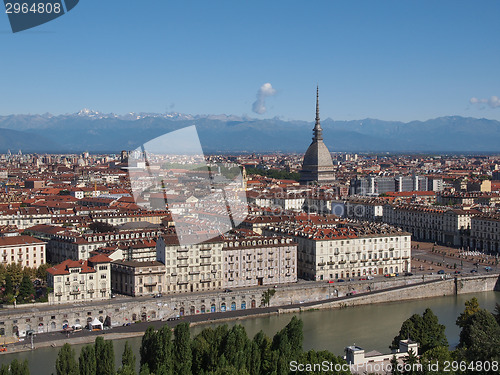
<point>362,278</point>
<point>157,295</point>
<point>340,280</point>
<point>408,274</point>
<point>441,272</point>
<point>370,277</point>
<point>330,281</point>
<point>227,290</point>
<point>457,272</point>
<point>473,271</point>
<point>488,268</point>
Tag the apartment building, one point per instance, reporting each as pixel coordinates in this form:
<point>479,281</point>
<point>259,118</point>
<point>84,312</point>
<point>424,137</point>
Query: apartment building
<point>24,250</point>
<point>443,225</point>
<point>137,278</point>
<point>251,259</point>
<point>190,268</point>
<point>485,233</point>
<point>331,252</point>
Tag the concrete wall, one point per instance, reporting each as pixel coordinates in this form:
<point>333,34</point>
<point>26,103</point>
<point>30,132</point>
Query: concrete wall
<point>47,318</point>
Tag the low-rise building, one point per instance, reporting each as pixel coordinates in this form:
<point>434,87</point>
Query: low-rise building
<point>80,280</point>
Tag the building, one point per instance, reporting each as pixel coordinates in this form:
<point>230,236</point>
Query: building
<point>317,167</point>
<point>24,250</point>
<point>443,225</point>
<point>80,280</point>
<point>485,233</point>
<point>137,278</point>
<point>251,259</point>
<point>190,268</point>
<point>329,252</point>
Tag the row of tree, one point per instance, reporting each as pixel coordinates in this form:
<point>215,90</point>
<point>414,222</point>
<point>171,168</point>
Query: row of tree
<point>479,343</point>
<point>214,351</point>
<point>229,351</point>
<point>16,282</point>
<point>274,173</point>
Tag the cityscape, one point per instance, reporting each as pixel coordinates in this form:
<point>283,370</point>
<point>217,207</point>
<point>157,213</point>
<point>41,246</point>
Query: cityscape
<point>249,188</point>
<point>92,242</point>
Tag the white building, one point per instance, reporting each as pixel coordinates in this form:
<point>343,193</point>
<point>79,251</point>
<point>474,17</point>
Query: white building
<point>190,268</point>
<point>24,250</point>
<point>336,251</point>
<point>80,280</point>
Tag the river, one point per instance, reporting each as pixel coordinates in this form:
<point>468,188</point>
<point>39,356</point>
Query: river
<point>372,327</point>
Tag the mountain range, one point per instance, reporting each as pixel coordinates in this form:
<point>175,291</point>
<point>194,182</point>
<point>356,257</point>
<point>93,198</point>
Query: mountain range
<point>93,131</point>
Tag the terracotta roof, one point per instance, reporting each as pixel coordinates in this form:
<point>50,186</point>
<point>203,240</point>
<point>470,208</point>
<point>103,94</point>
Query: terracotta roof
<point>19,241</point>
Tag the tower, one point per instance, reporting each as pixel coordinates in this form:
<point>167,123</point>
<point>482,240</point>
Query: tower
<point>317,167</point>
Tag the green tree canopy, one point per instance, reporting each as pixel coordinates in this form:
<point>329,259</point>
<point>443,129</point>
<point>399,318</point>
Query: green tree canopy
<point>65,362</point>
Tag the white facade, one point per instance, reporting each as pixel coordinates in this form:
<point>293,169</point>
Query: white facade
<point>24,250</point>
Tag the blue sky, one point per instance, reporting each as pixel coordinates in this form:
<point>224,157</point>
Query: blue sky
<point>392,60</point>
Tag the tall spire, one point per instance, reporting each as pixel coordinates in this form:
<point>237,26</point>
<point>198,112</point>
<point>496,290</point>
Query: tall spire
<point>318,132</point>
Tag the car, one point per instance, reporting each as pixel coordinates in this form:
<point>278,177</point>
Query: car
<point>113,296</point>
<point>351,280</point>
<point>362,278</point>
<point>157,295</point>
<point>488,268</point>
<point>408,274</point>
<point>330,281</point>
<point>227,290</point>
<point>340,280</point>
<point>370,277</point>
<point>441,272</point>
<point>473,271</point>
<point>457,272</point>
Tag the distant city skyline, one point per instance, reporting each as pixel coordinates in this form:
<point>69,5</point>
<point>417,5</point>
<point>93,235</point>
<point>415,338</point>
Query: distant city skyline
<point>385,60</point>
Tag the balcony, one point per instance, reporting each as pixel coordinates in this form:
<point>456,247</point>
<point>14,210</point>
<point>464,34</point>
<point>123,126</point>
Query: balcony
<point>103,290</point>
<point>203,256</point>
<point>205,281</point>
<point>214,271</point>
<point>67,283</point>
<point>321,264</point>
<point>181,250</point>
<point>182,282</point>
<point>330,263</point>
<point>82,282</point>
<point>207,249</point>
<point>342,262</point>
<point>58,294</point>
<point>194,272</point>
<point>90,291</point>
<point>151,283</point>
<point>74,292</point>
<point>353,261</point>
<point>182,265</point>
<point>182,257</point>
<point>205,263</point>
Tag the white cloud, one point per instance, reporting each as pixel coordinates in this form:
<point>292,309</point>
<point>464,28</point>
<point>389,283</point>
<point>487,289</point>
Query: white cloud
<point>259,106</point>
<point>493,102</point>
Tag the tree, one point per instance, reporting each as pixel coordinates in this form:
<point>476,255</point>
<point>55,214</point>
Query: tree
<point>65,362</point>
<point>266,296</point>
<point>424,329</point>
<point>128,357</point>
<point>433,361</point>
<point>26,289</point>
<point>9,287</point>
<point>434,333</point>
<point>182,349</point>
<point>19,368</point>
<point>87,361</point>
<point>471,307</point>
<point>480,338</point>
<point>394,366</point>
<point>497,313</point>
<point>105,357</point>
<point>41,271</point>
<point>101,227</point>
